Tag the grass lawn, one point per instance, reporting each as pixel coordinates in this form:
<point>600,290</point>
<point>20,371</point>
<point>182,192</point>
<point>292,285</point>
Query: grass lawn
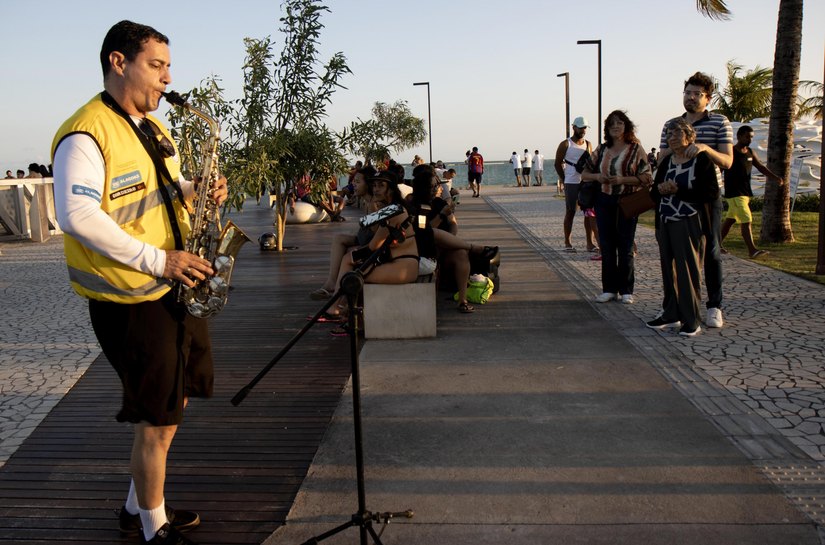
<point>797,258</point>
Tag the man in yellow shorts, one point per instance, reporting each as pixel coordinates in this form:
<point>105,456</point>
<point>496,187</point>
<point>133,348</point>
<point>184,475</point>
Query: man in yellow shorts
<point>738,191</point>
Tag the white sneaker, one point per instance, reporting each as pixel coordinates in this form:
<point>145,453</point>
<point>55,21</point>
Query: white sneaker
<point>605,297</point>
<point>627,299</point>
<point>714,318</point>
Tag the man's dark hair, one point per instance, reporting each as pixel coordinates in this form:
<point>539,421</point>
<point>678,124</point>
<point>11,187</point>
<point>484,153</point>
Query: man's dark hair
<point>128,38</point>
<point>701,80</point>
<point>743,129</point>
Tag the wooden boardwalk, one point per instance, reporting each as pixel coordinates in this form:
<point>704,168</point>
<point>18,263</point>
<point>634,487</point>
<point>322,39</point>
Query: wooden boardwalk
<point>239,467</point>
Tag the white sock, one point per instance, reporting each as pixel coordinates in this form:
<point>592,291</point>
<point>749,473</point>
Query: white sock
<point>132,506</point>
<point>153,519</point>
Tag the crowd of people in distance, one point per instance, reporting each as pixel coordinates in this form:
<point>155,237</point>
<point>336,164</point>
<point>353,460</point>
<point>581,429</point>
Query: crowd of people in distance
<point>35,171</point>
<point>684,181</point>
<point>420,240</point>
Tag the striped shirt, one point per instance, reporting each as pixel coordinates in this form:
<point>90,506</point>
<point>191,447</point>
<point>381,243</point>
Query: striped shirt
<point>712,129</point>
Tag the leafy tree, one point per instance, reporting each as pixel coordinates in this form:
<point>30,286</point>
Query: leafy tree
<point>280,121</point>
<point>392,128</point>
<point>192,134</point>
<point>276,133</point>
<point>747,95</point>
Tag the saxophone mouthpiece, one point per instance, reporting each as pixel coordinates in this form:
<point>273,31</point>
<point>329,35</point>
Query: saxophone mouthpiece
<point>173,97</point>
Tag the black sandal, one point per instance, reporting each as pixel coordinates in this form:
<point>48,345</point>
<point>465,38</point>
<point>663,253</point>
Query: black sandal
<point>466,308</point>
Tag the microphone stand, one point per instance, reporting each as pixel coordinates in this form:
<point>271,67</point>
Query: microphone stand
<point>352,284</point>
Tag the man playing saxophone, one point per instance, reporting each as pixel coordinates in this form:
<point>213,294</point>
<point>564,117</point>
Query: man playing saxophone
<point>121,202</point>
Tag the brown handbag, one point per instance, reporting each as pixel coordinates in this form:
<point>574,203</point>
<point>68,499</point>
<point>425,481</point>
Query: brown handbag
<point>638,202</point>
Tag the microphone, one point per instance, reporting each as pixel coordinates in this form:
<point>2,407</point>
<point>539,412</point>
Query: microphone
<point>381,215</point>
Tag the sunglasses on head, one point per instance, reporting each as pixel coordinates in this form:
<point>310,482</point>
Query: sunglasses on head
<point>161,143</point>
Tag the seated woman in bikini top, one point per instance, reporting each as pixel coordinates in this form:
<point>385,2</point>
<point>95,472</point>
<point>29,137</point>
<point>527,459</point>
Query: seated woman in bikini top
<point>401,265</point>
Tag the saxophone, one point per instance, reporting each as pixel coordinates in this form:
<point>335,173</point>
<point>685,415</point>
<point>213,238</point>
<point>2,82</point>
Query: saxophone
<point>207,239</point>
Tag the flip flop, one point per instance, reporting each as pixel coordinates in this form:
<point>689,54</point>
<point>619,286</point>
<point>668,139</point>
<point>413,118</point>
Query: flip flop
<point>320,294</point>
<point>466,308</point>
<point>569,249</point>
<point>757,253</point>
<point>328,319</point>
<point>340,332</point>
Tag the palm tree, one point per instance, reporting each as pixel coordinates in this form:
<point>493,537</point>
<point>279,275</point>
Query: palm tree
<point>776,215</point>
<point>812,105</point>
<point>715,9</point>
<point>747,96</point>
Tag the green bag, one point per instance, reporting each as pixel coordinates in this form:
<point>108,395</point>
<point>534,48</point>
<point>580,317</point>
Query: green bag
<point>478,292</point>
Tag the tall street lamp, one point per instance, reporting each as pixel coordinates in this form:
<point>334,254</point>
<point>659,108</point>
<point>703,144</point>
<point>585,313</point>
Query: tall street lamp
<point>598,43</point>
<point>429,118</point>
<point>566,99</point>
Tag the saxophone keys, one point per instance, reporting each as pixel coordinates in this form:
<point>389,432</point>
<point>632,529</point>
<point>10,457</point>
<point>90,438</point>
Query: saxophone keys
<point>218,287</point>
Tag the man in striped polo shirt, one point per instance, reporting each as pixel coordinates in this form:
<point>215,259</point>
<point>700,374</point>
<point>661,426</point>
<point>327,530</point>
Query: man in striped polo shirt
<point>714,136</point>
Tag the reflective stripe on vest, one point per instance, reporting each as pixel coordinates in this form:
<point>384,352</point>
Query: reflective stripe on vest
<point>98,284</point>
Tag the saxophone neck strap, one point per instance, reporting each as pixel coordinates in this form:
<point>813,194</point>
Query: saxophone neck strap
<point>164,177</point>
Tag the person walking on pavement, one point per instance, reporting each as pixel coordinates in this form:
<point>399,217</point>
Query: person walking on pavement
<point>714,136</point>
<point>568,153</point>
<point>738,190</point>
<point>475,171</point>
<point>122,203</point>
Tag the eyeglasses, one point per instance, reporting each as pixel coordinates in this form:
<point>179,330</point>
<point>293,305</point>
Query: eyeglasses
<point>161,143</point>
<point>694,94</point>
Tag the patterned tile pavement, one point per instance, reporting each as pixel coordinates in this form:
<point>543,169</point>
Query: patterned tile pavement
<point>46,341</point>
<point>759,379</point>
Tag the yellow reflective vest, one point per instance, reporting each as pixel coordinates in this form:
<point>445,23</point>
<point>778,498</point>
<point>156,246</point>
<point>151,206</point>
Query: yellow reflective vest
<point>131,197</point>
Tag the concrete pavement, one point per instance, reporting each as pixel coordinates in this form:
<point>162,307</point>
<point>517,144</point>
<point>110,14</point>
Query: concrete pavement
<point>545,418</point>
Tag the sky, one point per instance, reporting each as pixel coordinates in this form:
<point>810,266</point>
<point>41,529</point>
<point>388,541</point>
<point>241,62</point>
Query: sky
<point>492,65</point>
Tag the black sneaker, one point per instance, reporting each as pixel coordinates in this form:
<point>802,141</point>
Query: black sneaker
<point>167,535</point>
<point>686,332</point>
<point>660,323</point>
<point>182,521</point>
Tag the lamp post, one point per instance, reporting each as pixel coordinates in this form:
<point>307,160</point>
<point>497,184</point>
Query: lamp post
<point>429,118</point>
<point>598,43</point>
<point>566,100</point>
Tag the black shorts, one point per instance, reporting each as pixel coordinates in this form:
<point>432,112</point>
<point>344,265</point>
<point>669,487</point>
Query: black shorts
<point>161,354</point>
<point>525,171</point>
<point>475,177</point>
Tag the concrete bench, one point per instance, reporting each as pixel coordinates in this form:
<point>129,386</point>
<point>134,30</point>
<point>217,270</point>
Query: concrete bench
<point>400,311</point>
